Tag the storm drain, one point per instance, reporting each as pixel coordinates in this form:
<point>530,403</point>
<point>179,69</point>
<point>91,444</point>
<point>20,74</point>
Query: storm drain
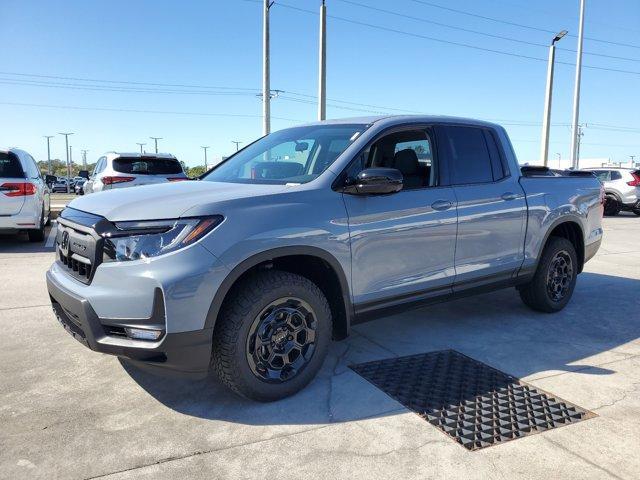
<point>475,404</point>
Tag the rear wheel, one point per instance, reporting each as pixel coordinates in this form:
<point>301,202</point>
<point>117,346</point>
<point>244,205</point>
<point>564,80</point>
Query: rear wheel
<point>37,235</point>
<point>552,285</point>
<point>636,211</point>
<point>271,336</point>
<point>612,206</point>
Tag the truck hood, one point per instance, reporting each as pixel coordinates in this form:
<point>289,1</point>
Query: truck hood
<point>167,200</point>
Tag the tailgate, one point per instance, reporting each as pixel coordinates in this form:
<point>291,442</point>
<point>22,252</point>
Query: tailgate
<point>10,173</point>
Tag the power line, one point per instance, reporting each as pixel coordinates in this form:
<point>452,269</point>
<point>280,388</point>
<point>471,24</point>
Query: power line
<point>128,82</point>
<point>514,24</point>
<point>478,32</point>
<point>127,110</point>
<point>449,42</point>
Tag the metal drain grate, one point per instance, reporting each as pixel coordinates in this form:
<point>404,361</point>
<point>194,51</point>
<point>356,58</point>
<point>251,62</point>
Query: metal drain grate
<point>474,403</point>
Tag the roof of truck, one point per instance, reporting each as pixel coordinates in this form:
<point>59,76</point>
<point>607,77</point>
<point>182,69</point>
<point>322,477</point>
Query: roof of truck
<point>391,120</point>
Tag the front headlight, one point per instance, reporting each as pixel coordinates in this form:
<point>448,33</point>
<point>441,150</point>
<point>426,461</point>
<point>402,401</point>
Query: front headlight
<point>139,240</point>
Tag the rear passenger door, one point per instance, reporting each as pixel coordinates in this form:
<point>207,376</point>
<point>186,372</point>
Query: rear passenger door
<point>491,206</point>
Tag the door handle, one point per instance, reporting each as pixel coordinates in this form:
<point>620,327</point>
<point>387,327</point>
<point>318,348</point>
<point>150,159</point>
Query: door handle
<point>441,205</point>
<point>509,196</point>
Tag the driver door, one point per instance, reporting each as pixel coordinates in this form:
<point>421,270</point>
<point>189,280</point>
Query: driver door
<point>402,244</point>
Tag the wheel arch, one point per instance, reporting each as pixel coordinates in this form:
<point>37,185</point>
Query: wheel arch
<point>572,231</point>
<point>305,261</point>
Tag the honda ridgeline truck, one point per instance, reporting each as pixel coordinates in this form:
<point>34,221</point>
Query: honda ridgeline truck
<point>252,270</point>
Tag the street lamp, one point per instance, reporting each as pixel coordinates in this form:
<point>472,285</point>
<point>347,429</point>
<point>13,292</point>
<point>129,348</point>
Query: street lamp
<point>155,139</point>
<point>544,149</point>
<point>205,158</point>
<point>141,145</point>
<point>66,144</point>
<point>48,137</point>
<point>559,160</point>
<point>237,143</point>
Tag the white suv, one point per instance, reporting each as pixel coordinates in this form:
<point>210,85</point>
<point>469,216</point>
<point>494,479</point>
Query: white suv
<point>24,195</point>
<point>118,170</point>
<point>621,188</point>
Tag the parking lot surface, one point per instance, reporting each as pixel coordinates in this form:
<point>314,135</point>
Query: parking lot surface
<point>66,412</point>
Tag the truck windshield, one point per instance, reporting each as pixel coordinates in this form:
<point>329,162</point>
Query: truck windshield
<point>293,155</point>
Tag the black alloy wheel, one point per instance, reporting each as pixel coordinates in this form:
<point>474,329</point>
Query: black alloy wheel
<point>282,340</point>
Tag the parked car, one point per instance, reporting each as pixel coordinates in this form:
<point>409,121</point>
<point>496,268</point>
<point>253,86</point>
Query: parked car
<point>24,195</point>
<point>78,186</point>
<point>120,170</point>
<point>60,186</point>
<point>622,189</point>
<point>282,247</point>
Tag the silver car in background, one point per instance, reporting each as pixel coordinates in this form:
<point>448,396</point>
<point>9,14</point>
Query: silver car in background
<point>24,195</point>
<point>120,170</point>
<point>621,188</point>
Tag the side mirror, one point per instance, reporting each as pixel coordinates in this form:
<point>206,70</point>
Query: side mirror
<point>375,181</point>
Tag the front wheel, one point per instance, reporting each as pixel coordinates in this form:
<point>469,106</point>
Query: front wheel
<point>636,211</point>
<point>552,285</point>
<point>272,335</point>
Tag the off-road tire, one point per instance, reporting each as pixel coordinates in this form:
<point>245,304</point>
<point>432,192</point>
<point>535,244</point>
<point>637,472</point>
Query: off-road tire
<point>233,329</point>
<point>535,294</point>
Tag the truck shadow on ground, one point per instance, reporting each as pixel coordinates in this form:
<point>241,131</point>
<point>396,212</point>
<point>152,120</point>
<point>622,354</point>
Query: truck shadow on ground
<point>495,328</point>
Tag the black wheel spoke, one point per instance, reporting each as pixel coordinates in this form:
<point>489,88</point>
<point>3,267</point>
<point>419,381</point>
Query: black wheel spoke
<point>559,276</point>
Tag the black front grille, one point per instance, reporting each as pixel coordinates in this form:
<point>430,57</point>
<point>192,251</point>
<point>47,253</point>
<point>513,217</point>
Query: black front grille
<point>78,244</point>
<point>76,267</point>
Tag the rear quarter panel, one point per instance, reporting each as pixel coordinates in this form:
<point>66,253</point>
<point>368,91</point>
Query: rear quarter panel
<point>553,200</point>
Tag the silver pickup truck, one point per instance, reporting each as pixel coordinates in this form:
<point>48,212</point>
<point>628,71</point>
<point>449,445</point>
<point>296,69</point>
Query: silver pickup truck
<point>251,271</point>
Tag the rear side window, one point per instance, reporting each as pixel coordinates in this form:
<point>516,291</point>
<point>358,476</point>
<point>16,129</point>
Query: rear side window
<point>10,166</point>
<point>615,175</point>
<point>469,157</point>
<point>147,166</point>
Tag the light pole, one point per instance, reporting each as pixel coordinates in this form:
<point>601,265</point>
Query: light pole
<point>237,144</point>
<point>322,67</point>
<point>266,88</point>
<point>575,139</point>
<point>48,137</point>
<point>632,157</point>
<point>142,145</point>
<point>544,148</point>
<point>205,158</point>
<point>66,144</point>
<point>155,139</point>
<point>559,160</point>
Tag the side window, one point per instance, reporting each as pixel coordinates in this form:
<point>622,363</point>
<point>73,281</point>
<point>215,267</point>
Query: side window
<point>470,161</point>
<point>30,167</point>
<point>409,151</point>
<point>615,175</point>
<point>498,167</point>
<point>603,175</point>
<point>99,166</point>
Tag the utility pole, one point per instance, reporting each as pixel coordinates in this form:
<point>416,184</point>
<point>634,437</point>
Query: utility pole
<point>142,145</point>
<point>266,88</point>
<point>66,144</point>
<point>48,137</point>
<point>237,144</point>
<point>206,167</point>
<point>579,136</point>
<point>632,157</point>
<point>84,159</point>
<point>575,141</point>
<point>322,67</point>
<point>155,139</point>
<point>559,160</point>
<point>546,120</point>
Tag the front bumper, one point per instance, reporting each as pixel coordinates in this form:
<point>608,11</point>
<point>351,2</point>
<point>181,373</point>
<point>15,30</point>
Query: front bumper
<point>187,353</point>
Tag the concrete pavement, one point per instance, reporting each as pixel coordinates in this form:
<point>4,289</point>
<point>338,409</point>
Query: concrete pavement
<point>66,412</point>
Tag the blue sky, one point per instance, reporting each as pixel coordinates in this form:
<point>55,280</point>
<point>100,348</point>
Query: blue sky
<point>217,43</point>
